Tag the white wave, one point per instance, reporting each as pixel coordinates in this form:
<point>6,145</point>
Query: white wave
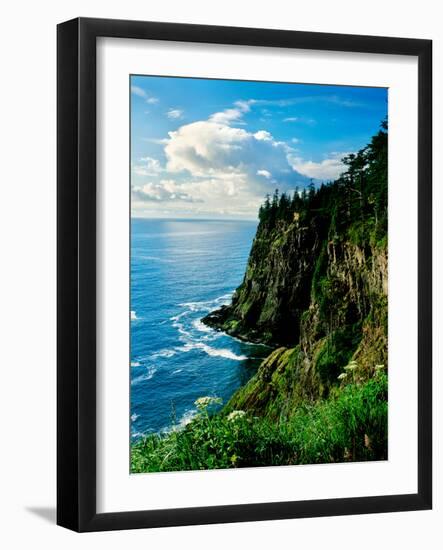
<point>208,305</point>
<point>186,418</point>
<point>177,371</point>
<point>134,417</point>
<point>133,316</point>
<point>135,364</point>
<point>179,316</point>
<point>193,306</point>
<point>188,346</point>
<point>163,353</point>
<point>213,352</point>
<point>181,329</point>
<point>226,353</point>
<point>201,327</point>
<point>225,299</point>
<point>147,376</point>
<point>180,326</point>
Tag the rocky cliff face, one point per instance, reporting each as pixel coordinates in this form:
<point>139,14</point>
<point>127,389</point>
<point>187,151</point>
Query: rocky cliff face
<point>345,320</point>
<point>315,288</point>
<point>268,305</point>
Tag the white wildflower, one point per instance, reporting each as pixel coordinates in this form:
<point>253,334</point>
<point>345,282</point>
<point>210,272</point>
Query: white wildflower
<point>203,402</point>
<point>234,415</point>
<point>342,376</point>
<point>352,366</point>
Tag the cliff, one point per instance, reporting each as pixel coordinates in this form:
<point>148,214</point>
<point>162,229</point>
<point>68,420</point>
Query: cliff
<point>315,288</point>
<point>346,321</point>
<point>268,305</point>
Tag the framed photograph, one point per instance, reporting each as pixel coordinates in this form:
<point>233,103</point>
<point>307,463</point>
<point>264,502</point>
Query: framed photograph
<point>244,274</point>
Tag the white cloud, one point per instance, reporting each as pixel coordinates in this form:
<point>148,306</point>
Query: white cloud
<point>263,135</point>
<point>217,167</point>
<point>328,98</point>
<point>328,169</point>
<point>265,173</point>
<point>149,167</point>
<point>175,113</point>
<point>301,120</point>
<point>204,148</point>
<point>220,153</point>
<point>157,141</point>
<point>136,90</point>
<point>233,114</point>
<point>163,191</point>
<point>140,92</point>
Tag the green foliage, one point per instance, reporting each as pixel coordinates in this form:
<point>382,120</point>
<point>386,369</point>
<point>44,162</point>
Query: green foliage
<point>355,203</point>
<point>350,425</point>
<point>336,352</point>
<point>319,271</point>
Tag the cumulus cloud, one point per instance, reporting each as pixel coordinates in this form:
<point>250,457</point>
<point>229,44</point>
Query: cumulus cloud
<point>328,169</point>
<point>217,166</point>
<point>206,149</point>
<point>149,167</point>
<point>163,191</point>
<point>263,135</point>
<point>175,113</point>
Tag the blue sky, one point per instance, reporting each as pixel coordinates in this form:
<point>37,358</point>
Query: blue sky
<point>214,148</point>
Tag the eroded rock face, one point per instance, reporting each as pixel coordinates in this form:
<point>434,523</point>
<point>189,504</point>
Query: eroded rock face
<point>324,300</point>
<point>268,305</point>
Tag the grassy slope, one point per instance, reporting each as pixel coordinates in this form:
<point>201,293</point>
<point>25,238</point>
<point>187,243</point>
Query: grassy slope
<point>351,424</point>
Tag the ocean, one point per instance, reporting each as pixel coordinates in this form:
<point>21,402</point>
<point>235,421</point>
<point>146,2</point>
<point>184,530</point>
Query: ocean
<point>181,270</point>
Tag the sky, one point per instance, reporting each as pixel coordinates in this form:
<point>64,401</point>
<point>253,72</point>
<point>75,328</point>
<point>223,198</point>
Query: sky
<point>213,149</point>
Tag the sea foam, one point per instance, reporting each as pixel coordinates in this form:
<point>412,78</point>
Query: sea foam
<point>147,376</point>
<point>213,352</point>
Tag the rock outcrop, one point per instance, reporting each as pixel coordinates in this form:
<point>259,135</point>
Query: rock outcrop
<point>315,288</point>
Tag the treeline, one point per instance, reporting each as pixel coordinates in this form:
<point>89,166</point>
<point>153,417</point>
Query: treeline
<point>360,194</point>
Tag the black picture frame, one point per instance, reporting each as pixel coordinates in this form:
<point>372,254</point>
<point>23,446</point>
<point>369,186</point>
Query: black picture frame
<point>76,266</point>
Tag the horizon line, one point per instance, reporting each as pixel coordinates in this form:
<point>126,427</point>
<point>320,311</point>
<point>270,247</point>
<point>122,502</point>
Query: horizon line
<point>195,219</point>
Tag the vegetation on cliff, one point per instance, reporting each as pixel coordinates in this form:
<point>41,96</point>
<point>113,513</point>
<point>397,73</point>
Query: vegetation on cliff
<point>350,425</point>
<point>315,289</point>
<point>322,249</point>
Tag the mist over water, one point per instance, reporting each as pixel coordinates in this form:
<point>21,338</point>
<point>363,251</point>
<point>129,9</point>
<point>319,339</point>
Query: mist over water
<point>181,270</point>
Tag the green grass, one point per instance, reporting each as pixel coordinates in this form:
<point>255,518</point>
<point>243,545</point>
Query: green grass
<point>351,425</point>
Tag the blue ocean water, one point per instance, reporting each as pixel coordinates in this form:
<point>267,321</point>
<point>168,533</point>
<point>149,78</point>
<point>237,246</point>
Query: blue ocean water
<point>181,270</point>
